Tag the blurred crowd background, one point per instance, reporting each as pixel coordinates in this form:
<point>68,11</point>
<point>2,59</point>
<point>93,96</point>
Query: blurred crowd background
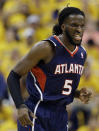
<point>25,22</point>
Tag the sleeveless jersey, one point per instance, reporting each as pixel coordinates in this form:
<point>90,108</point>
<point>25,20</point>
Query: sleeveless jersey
<point>57,80</point>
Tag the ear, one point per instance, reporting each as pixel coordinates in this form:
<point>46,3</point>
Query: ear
<point>63,26</point>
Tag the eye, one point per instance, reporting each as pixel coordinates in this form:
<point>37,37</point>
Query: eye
<point>82,26</point>
<point>77,25</point>
<point>74,25</point>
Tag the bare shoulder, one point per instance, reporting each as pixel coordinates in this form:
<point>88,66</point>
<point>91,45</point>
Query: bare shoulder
<point>40,51</point>
<point>42,46</point>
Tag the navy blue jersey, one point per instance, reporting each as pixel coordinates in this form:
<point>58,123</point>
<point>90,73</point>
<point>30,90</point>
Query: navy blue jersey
<point>57,80</point>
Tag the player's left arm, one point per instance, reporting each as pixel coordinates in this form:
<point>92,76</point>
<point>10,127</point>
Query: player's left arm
<point>84,94</point>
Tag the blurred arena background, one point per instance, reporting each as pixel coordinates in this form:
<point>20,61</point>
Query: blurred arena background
<point>22,24</point>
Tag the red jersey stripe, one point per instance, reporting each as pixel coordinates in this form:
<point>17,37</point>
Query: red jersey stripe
<point>40,76</point>
<point>71,53</point>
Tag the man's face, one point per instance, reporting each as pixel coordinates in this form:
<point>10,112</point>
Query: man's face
<point>74,28</point>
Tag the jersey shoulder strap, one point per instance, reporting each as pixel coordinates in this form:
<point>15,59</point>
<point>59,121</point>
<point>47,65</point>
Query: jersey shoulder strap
<point>54,40</point>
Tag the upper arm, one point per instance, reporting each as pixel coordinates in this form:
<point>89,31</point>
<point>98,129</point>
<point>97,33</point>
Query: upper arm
<point>40,51</point>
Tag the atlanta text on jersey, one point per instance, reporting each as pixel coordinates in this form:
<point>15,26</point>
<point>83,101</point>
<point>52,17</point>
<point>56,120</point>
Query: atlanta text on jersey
<point>73,68</point>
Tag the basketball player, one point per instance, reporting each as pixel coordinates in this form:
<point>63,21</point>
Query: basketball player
<point>54,68</point>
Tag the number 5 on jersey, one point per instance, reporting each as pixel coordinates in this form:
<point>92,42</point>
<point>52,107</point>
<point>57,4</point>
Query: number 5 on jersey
<point>67,87</point>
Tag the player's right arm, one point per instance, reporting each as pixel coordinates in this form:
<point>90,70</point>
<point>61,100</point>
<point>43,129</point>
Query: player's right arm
<point>40,51</point>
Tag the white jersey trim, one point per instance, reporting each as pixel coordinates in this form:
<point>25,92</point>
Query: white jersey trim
<point>52,42</point>
<point>83,48</point>
<point>41,99</point>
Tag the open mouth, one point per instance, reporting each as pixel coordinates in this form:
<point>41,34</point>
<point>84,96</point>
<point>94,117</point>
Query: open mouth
<point>77,37</point>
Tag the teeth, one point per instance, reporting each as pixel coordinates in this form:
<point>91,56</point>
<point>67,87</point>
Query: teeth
<point>77,37</point>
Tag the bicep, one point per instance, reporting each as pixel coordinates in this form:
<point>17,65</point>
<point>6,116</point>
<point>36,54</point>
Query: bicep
<point>40,51</point>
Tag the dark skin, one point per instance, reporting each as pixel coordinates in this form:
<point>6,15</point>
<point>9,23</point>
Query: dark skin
<point>44,51</point>
<point>75,26</point>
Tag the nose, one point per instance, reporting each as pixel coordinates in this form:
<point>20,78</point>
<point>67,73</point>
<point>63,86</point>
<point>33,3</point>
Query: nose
<point>79,29</point>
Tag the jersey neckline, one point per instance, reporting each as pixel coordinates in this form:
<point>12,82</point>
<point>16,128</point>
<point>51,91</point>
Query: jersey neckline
<point>72,53</point>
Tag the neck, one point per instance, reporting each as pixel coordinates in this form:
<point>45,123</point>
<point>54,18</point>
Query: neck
<point>66,42</point>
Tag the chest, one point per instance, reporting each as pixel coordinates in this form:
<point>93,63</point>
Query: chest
<point>64,63</point>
